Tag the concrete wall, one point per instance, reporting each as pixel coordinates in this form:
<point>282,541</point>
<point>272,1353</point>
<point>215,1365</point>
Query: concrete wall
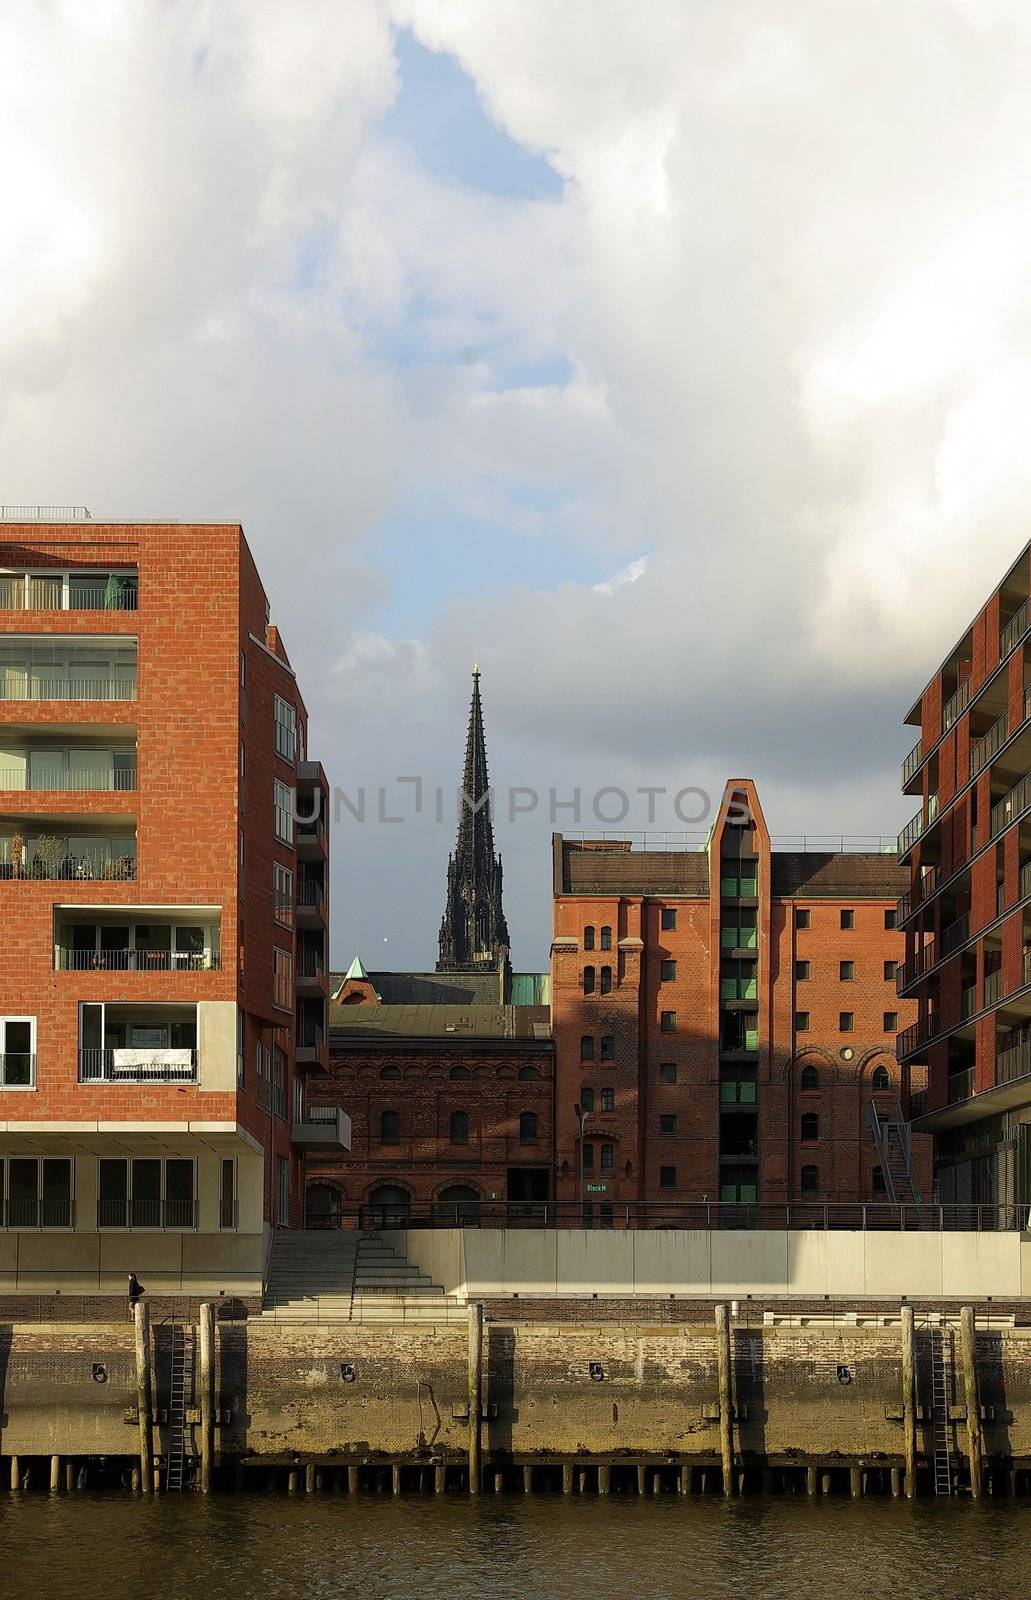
<point>487,1263</point>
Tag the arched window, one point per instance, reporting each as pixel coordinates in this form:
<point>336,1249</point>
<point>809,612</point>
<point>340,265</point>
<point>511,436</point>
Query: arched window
<point>390,1127</point>
<point>587,1158</point>
<point>390,1205</point>
<point>810,1078</point>
<point>527,1072</point>
<point>527,1127</point>
<point>810,1127</point>
<point>323,1204</point>
<point>586,1098</point>
<point>810,1180</point>
<point>588,938</point>
<point>586,1047</point>
<point>607,1157</point>
<point>390,1072</point>
<point>608,1100</point>
<point>458,1204</point>
<point>880,1078</point>
<point>459,1127</point>
<point>606,980</point>
<point>588,980</point>
<point>459,1072</point>
<point>606,938</point>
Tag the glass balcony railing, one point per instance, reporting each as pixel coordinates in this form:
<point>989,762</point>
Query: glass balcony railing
<point>911,765</point>
<point>48,667</point>
<point>1014,630</point>
<point>955,707</point>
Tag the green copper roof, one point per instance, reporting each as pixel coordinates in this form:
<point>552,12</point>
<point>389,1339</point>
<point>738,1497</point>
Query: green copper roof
<point>357,970</point>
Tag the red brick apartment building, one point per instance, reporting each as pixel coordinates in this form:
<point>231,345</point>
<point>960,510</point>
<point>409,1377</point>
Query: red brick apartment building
<point>725,1023</point>
<point>163,966</point>
<point>967,913</point>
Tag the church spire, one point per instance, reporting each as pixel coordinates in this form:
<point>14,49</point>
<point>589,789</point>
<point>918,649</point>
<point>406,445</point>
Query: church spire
<point>473,933</point>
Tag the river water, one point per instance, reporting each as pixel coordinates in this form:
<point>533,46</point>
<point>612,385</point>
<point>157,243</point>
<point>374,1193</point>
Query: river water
<point>510,1548</point>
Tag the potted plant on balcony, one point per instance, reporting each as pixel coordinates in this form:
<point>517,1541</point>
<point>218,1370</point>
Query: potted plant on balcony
<point>10,867</point>
<point>50,853</point>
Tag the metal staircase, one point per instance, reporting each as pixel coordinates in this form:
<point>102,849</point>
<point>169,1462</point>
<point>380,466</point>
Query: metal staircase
<point>941,1396</point>
<point>893,1141</point>
<point>180,1385</point>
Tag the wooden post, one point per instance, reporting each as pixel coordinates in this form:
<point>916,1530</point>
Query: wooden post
<point>475,1394</point>
<point>855,1482</point>
<point>55,1474</point>
<point>69,1475</point>
<point>567,1478</point>
<point>309,1478</point>
<point>207,1395</point>
<point>726,1402</point>
<point>604,1479</point>
<point>395,1478</point>
<point>439,1478</point>
<point>527,1479</point>
<point>909,1400</point>
<point>352,1480</point>
<point>810,1480</point>
<point>144,1400</point>
<point>975,1437</point>
<point>896,1483</point>
<point>293,1480</point>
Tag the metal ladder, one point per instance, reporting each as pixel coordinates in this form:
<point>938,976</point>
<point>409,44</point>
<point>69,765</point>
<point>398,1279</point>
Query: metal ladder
<point>941,1384</point>
<point>181,1379</point>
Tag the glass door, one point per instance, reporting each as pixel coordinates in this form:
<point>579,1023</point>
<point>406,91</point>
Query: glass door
<point>113,1199</point>
<point>145,1207</point>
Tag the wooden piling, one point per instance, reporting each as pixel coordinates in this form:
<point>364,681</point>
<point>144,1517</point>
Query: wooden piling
<point>395,1479</point>
<point>352,1480</point>
<point>439,1479</point>
<point>810,1481</point>
<point>69,1475</point>
<point>144,1395</point>
<point>15,1481</point>
<point>909,1400</point>
<point>972,1394</point>
<point>55,1474</point>
<point>855,1482</point>
<point>309,1477</point>
<point>528,1480</point>
<point>293,1481</point>
<point>723,1367</point>
<point>896,1482</point>
<point>567,1478</point>
<point>207,1395</point>
<point>135,1478</point>
<point>604,1479</point>
<point>475,1394</point>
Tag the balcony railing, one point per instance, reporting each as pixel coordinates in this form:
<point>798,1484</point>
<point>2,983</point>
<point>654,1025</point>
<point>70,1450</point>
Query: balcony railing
<point>310,1036</point>
<point>310,965</point>
<point>17,1070</point>
<point>271,1097</point>
<point>1013,1063</point>
<point>137,961</point>
<point>146,1213</point>
<point>124,1064</point>
<point>1015,628</point>
<point>911,832</point>
<point>36,1213</point>
<point>982,752</point>
<point>955,934</point>
<point>114,780</point>
<point>961,1086</point>
<point>16,685</point>
<point>71,869</point>
<point>1010,807</point>
<point>955,707</point>
<point>912,762</point>
<point>36,592</point>
<point>992,986</point>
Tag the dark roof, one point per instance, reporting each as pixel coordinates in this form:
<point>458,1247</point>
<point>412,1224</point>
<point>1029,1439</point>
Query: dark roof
<point>874,875</point>
<point>450,1024</point>
<point>634,871</point>
<point>431,988</point>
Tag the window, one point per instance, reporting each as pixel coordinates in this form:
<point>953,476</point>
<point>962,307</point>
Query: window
<point>528,1127</point>
<point>390,1127</point>
<point>282,979</point>
<point>17,1052</point>
<point>810,1078</point>
<point>668,972</point>
<point>283,895</point>
<point>607,1157</point>
<point>667,1124</point>
<point>606,980</point>
<point>891,1022</point>
<point>390,1072</point>
<point>586,1047</point>
<point>810,1127</point>
<point>848,919</point>
<point>668,1022</point>
<point>810,1180</point>
<point>587,1157</point>
<point>801,1022</point>
<point>588,938</point>
<point>458,1072</point>
<point>891,918</point>
<point>38,1192</point>
<point>286,730</point>
<point>846,1021</point>
<point>877,1182</point>
<point>880,1079</point>
<point>846,971</point>
<point>889,971</point>
<point>801,970</point>
<point>667,1072</point>
<point>586,1098</point>
<point>284,812</point>
<point>608,1047</point>
<point>606,938</point>
<point>801,919</point>
<point>527,1072</point>
<point>668,918</point>
<point>667,1177</point>
<point>459,1127</point>
<point>227,1193</point>
<point>588,980</point>
<point>608,1100</point>
<point>146,1192</point>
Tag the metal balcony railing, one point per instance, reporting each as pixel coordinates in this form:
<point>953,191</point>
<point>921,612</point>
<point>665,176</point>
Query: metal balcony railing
<point>992,986</point>
<point>36,1212</point>
<point>71,868</point>
<point>138,1213</point>
<point>911,832</point>
<point>693,1215</point>
<point>115,780</point>
<point>53,594</point>
<point>982,752</point>
<point>21,686</point>
<point>955,707</point>
<point>961,1086</point>
<point>1013,1063</point>
<point>955,934</point>
<point>127,1065</point>
<point>310,1035</point>
<point>912,762</point>
<point>1014,630</point>
<point>17,1070</point>
<point>310,965</point>
<point>1010,807</point>
<point>137,961</point>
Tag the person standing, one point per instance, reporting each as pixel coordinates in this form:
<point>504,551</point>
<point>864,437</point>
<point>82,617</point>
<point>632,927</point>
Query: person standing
<point>136,1293</point>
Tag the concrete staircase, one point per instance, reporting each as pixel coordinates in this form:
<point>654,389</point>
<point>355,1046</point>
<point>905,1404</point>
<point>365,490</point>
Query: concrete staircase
<point>337,1276</point>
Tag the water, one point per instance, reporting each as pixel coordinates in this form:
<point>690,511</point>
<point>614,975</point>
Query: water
<point>538,1548</point>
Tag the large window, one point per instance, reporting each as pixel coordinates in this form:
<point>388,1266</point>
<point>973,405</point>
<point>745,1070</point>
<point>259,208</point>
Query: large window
<point>50,589</point>
<point>527,1127</point>
<point>284,812</point>
<point>227,1193</point>
<point>283,895</point>
<point>35,1192</point>
<point>286,729</point>
<point>147,1192</point>
<point>129,946</point>
<point>282,979</point>
<point>49,667</point>
<point>459,1132</point>
<point>133,1042</point>
<point>17,1052</point>
<point>390,1127</point>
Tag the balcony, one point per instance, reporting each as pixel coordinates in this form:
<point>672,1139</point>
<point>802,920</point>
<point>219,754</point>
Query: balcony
<point>311,904</point>
<point>162,943</point>
<point>132,1064</point>
<point>54,668</point>
<point>310,972</point>
<point>955,707</point>
<point>912,764</point>
<point>983,751</point>
<point>311,841</point>
<point>133,1042</point>
<point>34,1211</point>
<point>960,1086</point>
<point>311,1036</point>
<point>1013,1063</point>
<point>1010,807</point>
<point>911,833</point>
<point>47,854</point>
<point>992,987</point>
<point>52,590</point>
<point>69,771</point>
<point>1014,631</point>
<point>322,1128</point>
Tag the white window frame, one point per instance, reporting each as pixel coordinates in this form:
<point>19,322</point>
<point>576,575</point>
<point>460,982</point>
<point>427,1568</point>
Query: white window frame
<point>19,1088</point>
<point>284,805</point>
<point>286,729</point>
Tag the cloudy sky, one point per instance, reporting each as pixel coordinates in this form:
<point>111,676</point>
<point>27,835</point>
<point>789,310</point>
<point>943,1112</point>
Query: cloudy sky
<point>671,360</point>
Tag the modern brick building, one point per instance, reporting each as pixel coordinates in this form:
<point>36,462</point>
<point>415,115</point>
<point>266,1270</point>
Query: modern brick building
<point>163,967</point>
<point>967,912</point>
<point>725,1019</point>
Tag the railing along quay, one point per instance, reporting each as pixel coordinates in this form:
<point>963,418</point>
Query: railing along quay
<point>701,1216</point>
